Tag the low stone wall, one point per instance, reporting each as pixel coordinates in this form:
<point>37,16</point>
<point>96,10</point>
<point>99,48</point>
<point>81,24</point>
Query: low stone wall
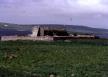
<point>44,38</point>
<point>14,38</point>
<point>7,38</point>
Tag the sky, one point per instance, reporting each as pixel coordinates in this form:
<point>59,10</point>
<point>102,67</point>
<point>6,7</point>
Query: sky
<point>92,13</point>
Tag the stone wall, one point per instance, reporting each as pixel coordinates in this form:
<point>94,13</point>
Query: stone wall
<point>14,38</point>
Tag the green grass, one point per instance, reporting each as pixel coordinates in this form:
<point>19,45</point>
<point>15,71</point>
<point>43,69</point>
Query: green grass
<point>79,58</point>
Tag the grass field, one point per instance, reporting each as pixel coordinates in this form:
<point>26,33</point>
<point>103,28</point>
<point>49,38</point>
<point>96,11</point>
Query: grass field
<point>79,58</point>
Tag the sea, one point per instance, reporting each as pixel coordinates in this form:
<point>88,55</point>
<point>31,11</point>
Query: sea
<point>9,32</point>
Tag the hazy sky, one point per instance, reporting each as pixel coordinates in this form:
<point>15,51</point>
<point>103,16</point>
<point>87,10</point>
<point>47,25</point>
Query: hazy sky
<point>93,13</point>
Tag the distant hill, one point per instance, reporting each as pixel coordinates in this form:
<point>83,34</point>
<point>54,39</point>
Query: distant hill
<point>70,28</point>
<point>85,29</point>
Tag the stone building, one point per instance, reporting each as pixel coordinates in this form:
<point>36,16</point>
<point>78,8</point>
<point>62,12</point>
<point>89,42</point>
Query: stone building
<point>35,31</point>
<point>48,31</point>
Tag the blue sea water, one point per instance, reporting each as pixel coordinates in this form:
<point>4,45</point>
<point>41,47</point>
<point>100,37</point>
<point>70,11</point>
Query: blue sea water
<point>4,32</point>
<point>103,35</point>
